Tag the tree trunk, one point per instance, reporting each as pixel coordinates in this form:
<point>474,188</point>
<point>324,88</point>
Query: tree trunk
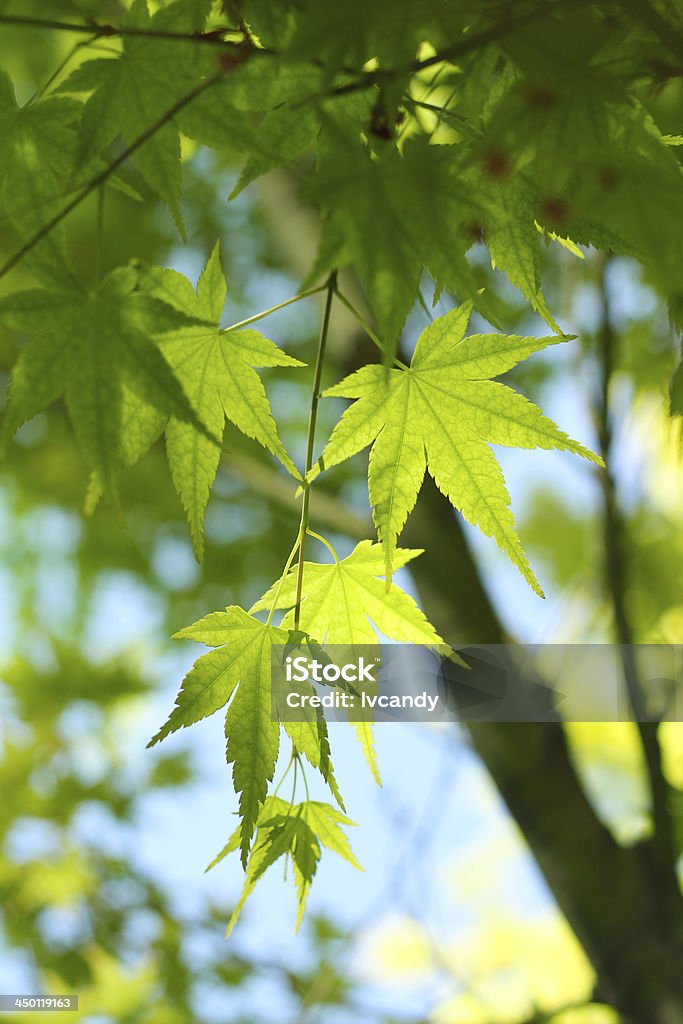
<point>622,909</point>
<point>625,910</point>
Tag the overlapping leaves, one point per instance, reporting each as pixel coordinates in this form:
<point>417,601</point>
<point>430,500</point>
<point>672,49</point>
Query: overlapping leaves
<point>297,831</point>
<point>97,349</point>
<point>134,90</point>
<point>37,150</point>
<point>346,602</point>
<point>239,668</point>
<point>544,131</point>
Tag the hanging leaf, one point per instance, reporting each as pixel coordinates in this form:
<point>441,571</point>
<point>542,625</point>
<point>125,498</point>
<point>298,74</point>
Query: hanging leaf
<point>97,349</point>
<point>239,668</point>
<point>215,369</point>
<point>442,414</point>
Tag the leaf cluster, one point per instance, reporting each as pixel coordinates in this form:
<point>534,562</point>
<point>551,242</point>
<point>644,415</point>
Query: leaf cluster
<point>423,135</point>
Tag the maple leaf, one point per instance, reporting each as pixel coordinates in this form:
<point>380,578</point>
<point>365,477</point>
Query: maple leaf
<point>353,188</point>
<point>248,110</point>
<point>513,240</point>
<point>38,147</point>
<point>135,89</point>
<point>345,602</point>
<point>419,202</point>
<point>297,830</point>
<point>281,137</point>
<point>237,671</point>
<point>441,414</point>
<point>216,370</point>
<point>96,348</point>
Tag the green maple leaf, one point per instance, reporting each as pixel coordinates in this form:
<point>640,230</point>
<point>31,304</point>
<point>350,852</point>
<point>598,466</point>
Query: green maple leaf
<point>281,137</point>
<point>237,671</point>
<point>38,147</point>
<point>216,370</point>
<point>248,111</point>
<point>96,349</point>
<point>513,240</point>
<point>298,831</point>
<point>441,414</point>
<point>365,227</point>
<point>136,89</point>
<point>346,602</point>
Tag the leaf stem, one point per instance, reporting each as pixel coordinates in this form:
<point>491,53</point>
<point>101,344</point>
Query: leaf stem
<point>273,309</point>
<point>313,416</point>
<point>443,113</point>
<point>288,565</point>
<point>303,776</point>
<point>366,326</point>
<point>292,758</point>
<point>104,175</point>
<point>295,760</point>
<point>312,533</point>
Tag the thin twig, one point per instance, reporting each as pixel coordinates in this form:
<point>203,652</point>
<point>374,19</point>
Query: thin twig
<point>283,577</point>
<point>469,44</point>
<point>215,37</point>
<point>365,81</point>
<point>42,89</point>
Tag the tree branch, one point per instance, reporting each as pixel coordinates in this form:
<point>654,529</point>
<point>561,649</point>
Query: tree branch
<point>468,44</point>
<point>106,31</point>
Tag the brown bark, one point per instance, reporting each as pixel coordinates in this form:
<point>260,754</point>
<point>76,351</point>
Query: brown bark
<point>620,904</point>
<point>622,910</point>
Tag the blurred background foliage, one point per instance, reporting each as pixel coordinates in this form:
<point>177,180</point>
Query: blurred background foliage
<point>86,667</point>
